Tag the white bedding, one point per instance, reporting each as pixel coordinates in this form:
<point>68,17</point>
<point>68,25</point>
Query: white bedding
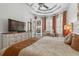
<point>49,46</point>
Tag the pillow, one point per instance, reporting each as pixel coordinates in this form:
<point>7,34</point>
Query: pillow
<point>68,39</point>
<point>75,42</point>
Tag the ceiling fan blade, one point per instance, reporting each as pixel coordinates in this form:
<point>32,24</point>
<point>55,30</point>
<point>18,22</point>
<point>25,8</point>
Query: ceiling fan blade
<point>45,6</point>
<point>40,5</point>
<point>32,4</point>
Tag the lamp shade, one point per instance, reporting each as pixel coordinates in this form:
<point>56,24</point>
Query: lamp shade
<point>68,29</point>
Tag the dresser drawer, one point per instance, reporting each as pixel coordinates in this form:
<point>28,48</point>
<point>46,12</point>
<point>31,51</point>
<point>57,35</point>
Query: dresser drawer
<point>12,42</point>
<point>10,39</point>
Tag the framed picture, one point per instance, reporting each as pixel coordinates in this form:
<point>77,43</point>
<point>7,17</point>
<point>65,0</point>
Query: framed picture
<point>29,26</point>
<point>39,23</point>
<point>38,30</point>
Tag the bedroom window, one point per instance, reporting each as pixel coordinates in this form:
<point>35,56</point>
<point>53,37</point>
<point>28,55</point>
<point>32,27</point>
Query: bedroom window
<point>59,24</point>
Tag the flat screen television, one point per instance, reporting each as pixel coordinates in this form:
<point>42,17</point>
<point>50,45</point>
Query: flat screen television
<point>15,26</point>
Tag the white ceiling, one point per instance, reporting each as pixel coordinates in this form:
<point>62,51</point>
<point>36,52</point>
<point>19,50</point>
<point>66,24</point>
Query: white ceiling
<point>49,9</point>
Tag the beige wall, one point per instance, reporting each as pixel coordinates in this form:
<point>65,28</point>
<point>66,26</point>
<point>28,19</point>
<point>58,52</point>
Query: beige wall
<point>17,11</point>
<point>72,13</point>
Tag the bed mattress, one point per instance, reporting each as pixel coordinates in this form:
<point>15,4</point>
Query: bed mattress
<point>48,46</point>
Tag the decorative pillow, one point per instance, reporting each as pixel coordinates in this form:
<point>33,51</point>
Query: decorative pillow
<point>68,39</point>
<point>75,42</point>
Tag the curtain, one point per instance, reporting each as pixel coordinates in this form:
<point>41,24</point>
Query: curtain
<point>43,23</point>
<point>64,21</point>
<point>54,24</point>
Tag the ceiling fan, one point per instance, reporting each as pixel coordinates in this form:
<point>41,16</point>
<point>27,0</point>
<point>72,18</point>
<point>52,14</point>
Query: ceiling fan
<point>42,5</point>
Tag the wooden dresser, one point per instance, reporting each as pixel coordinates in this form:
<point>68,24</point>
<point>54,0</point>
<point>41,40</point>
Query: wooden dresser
<point>12,38</point>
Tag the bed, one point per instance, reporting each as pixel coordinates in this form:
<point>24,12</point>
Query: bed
<point>48,46</point>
